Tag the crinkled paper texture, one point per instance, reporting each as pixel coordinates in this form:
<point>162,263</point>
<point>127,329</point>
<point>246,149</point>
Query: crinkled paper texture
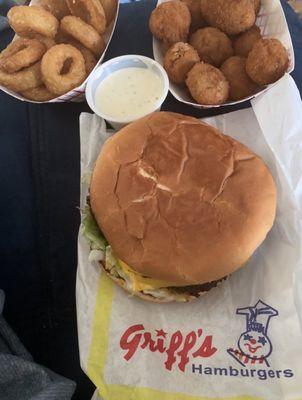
<point>273,129</point>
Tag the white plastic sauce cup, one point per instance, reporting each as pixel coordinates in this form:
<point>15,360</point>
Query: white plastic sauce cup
<point>118,63</point>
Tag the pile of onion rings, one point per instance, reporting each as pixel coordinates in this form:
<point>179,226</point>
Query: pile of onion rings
<point>21,53</point>
<point>57,45</point>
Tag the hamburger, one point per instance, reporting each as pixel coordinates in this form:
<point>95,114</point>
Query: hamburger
<point>175,207</point>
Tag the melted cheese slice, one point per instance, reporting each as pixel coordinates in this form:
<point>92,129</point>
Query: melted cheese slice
<point>140,282</point>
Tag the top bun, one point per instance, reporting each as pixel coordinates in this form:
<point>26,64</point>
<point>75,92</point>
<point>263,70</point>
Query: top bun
<point>179,201</point>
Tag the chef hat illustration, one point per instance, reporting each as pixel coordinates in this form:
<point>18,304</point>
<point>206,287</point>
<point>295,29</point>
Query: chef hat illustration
<point>258,316</point>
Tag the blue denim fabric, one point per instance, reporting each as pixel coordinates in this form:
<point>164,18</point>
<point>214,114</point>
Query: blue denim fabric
<point>20,377</point>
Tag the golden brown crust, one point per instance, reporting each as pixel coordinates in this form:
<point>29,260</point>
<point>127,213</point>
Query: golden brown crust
<point>179,201</point>
<point>28,21</point>
<point>178,61</point>
<point>90,11</point>
<point>170,22</point>
<point>241,86</point>
<point>90,60</point>
<point>207,84</point>
<point>57,7</point>
<point>84,33</point>
<point>53,63</point>
<point>213,46</point>
<point>39,93</point>
<point>257,5</point>
<point>48,42</point>
<point>267,62</point>
<point>230,16</point>
<point>110,8</point>
<point>21,53</point>
<point>25,79</point>
<point>244,43</point>
<point>196,18</point>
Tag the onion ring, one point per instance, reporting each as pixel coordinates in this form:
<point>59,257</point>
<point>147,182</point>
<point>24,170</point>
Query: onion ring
<point>21,53</point>
<point>57,7</point>
<point>84,33</point>
<point>27,78</point>
<point>90,61</point>
<point>27,21</point>
<point>90,11</point>
<point>110,7</point>
<point>53,63</point>
<point>48,42</point>
<point>40,93</point>
<point>62,37</point>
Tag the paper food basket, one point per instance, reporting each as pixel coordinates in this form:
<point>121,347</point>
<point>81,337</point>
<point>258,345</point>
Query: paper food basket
<point>77,94</point>
<point>272,23</point>
<point>135,350</point>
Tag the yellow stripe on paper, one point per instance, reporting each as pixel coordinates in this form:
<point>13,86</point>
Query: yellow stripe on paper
<point>101,323</point>
<point>98,356</point>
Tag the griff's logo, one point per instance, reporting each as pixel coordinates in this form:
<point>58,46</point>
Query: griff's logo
<point>176,348</point>
<point>254,345</point>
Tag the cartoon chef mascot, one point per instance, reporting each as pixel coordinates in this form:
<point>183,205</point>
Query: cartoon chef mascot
<point>254,344</point>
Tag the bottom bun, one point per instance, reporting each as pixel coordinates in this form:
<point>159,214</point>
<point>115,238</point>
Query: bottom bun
<point>183,294</point>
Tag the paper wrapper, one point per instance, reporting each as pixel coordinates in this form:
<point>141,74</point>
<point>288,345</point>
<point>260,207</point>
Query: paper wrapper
<point>272,23</point>
<point>132,349</point>
<point>76,94</point>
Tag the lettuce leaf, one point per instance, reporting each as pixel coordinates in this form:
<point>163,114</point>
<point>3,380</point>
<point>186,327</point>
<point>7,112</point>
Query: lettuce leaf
<point>92,232</point>
<point>111,260</point>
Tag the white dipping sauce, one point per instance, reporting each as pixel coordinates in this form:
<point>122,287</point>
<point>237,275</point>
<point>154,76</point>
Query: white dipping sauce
<point>129,93</point>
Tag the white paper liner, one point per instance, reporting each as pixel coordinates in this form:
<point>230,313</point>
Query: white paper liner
<point>273,130</point>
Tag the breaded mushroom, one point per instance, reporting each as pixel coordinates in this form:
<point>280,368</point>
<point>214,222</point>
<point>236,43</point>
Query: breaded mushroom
<point>213,46</point>
<point>230,16</point>
<point>170,22</point>
<point>267,62</point>
<point>241,86</point>
<point>178,61</point>
<point>244,43</point>
<point>196,18</point>
<point>207,84</point>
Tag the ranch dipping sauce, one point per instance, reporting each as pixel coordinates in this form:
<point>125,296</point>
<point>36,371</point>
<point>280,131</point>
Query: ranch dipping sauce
<point>129,93</point>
